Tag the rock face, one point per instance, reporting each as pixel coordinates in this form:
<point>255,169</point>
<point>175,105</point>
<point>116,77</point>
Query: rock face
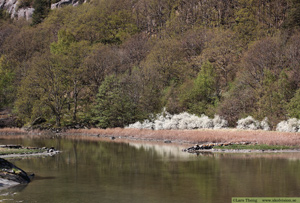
<point>10,172</point>
<point>67,2</point>
<point>11,6</point>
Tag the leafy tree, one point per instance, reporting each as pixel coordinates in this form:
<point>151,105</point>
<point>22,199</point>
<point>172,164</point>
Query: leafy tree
<point>293,107</point>
<point>167,59</point>
<point>112,107</point>
<point>44,91</point>
<point>41,10</point>
<point>62,46</point>
<point>7,88</point>
<point>245,21</point>
<point>273,97</point>
<point>293,17</point>
<point>223,50</point>
<point>238,102</point>
<point>74,53</point>
<point>201,96</point>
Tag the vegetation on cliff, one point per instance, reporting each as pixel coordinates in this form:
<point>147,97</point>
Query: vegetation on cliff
<point>114,62</point>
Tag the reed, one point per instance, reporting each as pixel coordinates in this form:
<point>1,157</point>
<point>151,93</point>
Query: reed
<point>181,136</point>
<point>199,136</point>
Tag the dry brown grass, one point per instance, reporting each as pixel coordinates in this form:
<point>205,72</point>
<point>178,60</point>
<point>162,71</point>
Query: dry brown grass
<point>199,136</point>
<point>15,133</point>
<point>181,136</point>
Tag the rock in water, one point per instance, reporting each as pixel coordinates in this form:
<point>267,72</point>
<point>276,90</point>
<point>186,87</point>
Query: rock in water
<point>11,172</point>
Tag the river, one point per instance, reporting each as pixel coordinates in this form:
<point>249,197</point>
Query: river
<point>99,171</point>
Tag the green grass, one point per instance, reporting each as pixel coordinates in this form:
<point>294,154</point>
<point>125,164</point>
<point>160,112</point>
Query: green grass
<point>4,151</point>
<point>255,147</point>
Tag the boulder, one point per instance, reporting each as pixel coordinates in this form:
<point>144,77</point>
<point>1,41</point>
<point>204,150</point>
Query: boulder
<point>10,172</point>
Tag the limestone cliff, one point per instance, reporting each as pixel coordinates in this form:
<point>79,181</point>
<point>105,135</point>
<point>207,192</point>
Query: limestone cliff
<point>67,2</point>
<point>12,7</point>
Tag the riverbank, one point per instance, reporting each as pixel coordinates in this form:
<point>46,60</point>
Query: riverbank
<point>186,137</point>
<point>193,136</point>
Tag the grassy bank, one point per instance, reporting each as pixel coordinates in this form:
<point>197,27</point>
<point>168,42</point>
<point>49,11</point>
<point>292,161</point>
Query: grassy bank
<point>5,151</point>
<point>256,147</point>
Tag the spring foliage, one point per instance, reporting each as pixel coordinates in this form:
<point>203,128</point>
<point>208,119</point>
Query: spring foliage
<point>110,63</point>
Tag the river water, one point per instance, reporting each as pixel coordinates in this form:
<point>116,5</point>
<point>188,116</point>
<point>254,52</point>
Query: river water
<point>99,171</point>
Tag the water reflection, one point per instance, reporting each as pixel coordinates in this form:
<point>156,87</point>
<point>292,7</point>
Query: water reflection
<point>89,171</point>
<point>11,190</point>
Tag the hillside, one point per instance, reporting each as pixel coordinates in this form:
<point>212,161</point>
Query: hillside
<point>110,63</point>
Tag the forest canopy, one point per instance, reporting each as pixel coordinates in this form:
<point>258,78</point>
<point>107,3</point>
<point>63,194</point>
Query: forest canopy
<point>109,63</point>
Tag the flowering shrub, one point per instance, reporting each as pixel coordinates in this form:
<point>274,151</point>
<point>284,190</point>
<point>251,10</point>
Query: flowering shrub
<point>291,125</point>
<point>219,123</point>
<point>182,121</point>
<point>249,123</point>
<point>264,124</point>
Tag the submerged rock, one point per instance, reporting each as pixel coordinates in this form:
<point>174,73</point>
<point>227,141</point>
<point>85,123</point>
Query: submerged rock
<point>10,172</point>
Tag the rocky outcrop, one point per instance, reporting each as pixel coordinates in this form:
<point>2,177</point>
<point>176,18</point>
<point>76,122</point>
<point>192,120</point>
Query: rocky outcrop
<point>11,6</point>
<point>25,13</point>
<point>210,146</point>
<point>67,2</point>
<point>10,172</point>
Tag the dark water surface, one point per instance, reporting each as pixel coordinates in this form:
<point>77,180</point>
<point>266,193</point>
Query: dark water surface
<point>89,171</point>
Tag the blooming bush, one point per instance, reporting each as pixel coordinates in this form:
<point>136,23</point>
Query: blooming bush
<point>182,121</point>
<point>264,124</point>
<point>249,123</point>
<point>291,125</point>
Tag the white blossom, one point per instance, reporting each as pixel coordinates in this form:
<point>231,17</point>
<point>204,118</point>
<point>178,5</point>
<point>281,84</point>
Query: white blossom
<point>182,121</point>
<point>291,125</point>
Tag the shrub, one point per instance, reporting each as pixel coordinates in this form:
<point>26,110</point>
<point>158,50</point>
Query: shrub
<point>249,123</point>
<point>291,125</point>
<point>264,124</point>
<point>24,3</point>
<point>182,121</point>
<point>219,123</point>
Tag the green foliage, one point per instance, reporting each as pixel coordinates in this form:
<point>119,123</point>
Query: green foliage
<point>63,44</point>
<point>24,3</point>
<point>201,96</point>
<point>166,58</point>
<point>45,90</point>
<point>273,97</point>
<point>246,24</point>
<point>225,57</point>
<point>112,107</point>
<point>293,18</point>
<point>41,10</point>
<point>293,107</point>
<point>7,88</point>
